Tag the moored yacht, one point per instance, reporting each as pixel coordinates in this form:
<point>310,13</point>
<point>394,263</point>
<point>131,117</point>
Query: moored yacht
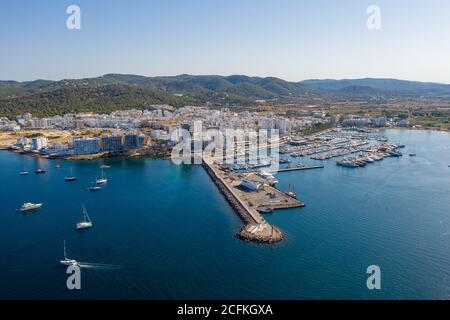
<point>95,188</point>
<point>71,177</point>
<point>102,180</point>
<point>268,176</point>
<point>30,206</point>
<point>86,222</point>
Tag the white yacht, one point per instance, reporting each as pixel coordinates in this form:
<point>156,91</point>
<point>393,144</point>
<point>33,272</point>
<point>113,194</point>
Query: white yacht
<point>30,206</point>
<point>268,176</point>
<point>95,188</point>
<point>71,177</point>
<point>86,222</point>
<point>67,261</point>
<point>102,180</point>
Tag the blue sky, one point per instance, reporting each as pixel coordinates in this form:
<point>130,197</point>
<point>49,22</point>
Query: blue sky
<point>290,39</point>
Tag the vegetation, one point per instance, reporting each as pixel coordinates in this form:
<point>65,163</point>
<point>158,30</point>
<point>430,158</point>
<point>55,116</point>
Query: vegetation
<point>120,91</point>
<point>317,128</point>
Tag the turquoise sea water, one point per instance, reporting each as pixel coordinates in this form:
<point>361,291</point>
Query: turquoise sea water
<point>163,231</point>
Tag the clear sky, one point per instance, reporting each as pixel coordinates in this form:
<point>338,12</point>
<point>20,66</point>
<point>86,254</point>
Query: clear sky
<point>290,39</point>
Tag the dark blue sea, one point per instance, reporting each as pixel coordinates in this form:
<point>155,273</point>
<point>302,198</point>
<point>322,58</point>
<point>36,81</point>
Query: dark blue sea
<point>163,231</point>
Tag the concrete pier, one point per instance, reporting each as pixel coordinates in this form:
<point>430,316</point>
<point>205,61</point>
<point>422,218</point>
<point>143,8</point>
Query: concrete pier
<point>247,204</point>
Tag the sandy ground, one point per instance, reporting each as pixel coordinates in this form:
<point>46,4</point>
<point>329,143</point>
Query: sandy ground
<point>9,138</point>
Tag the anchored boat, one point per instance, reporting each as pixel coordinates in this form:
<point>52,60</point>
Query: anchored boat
<point>30,206</point>
<point>86,222</point>
<point>103,180</point>
<point>71,177</point>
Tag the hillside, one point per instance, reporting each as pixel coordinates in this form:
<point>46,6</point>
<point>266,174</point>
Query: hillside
<point>380,86</point>
<point>121,91</point>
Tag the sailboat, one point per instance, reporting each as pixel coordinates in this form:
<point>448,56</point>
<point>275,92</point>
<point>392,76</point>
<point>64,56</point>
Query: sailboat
<point>58,165</point>
<point>71,177</point>
<point>67,261</point>
<point>86,223</point>
<point>23,172</point>
<point>94,188</point>
<point>291,193</point>
<point>102,180</point>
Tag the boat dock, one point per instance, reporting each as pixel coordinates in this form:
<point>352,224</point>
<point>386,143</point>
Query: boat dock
<point>300,168</point>
<point>248,204</point>
<point>296,168</point>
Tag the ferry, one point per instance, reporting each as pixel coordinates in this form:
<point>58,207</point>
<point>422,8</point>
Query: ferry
<point>30,206</point>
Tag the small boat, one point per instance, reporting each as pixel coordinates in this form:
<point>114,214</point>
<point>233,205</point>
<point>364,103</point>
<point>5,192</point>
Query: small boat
<point>67,261</point>
<point>71,177</point>
<point>58,165</point>
<point>30,206</point>
<point>291,194</point>
<point>40,171</point>
<point>412,154</point>
<point>86,222</point>
<point>103,180</point>
<point>24,172</point>
<point>104,166</point>
<point>265,210</point>
<point>95,188</point>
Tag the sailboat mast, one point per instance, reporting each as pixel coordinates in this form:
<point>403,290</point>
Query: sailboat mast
<point>85,214</point>
<point>65,255</point>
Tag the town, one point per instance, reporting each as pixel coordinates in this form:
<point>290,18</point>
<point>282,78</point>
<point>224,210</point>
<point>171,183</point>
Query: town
<point>153,130</point>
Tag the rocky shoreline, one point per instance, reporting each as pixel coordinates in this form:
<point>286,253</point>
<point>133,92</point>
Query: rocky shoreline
<point>246,233</point>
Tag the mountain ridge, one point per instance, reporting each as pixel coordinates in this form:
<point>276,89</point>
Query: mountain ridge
<point>112,91</point>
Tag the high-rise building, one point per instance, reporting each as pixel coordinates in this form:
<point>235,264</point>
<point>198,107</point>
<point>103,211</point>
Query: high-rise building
<point>38,143</point>
<point>134,141</point>
<point>86,146</point>
<point>112,143</point>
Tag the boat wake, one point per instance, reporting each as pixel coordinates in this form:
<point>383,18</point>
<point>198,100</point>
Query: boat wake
<point>98,266</point>
<point>446,227</point>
